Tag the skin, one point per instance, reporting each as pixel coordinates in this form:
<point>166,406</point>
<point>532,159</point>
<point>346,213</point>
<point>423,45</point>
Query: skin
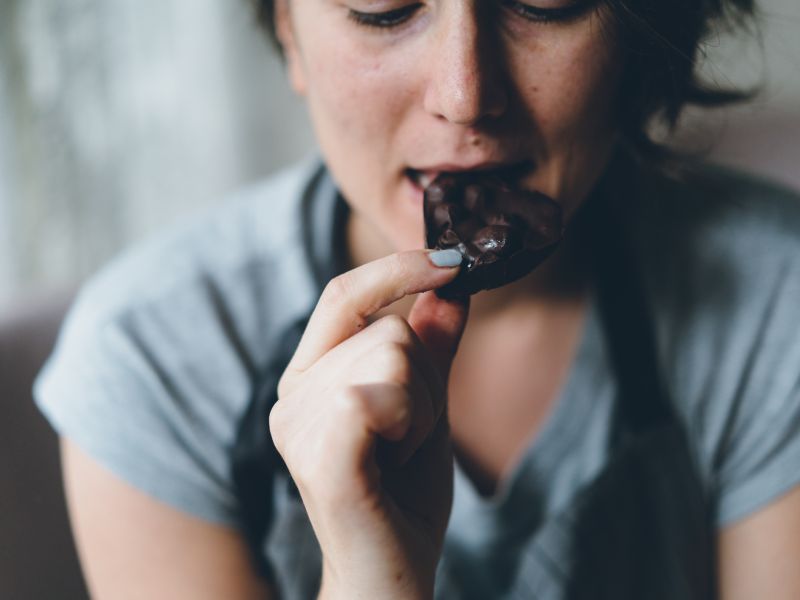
<point>377,366</point>
<point>380,103</point>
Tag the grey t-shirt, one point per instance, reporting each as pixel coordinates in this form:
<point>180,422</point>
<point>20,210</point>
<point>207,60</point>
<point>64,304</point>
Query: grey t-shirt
<point>157,361</point>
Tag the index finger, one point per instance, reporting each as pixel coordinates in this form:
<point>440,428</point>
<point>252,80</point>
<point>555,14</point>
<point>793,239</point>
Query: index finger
<point>349,299</point>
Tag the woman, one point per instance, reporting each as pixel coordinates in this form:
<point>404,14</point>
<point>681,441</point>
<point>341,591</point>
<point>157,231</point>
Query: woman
<point>623,420</point>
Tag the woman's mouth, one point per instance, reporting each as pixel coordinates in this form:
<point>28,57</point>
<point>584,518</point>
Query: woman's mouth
<point>510,173</point>
<point>421,179</point>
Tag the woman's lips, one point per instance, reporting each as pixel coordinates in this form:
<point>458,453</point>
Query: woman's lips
<point>421,179</point>
<point>510,173</point>
<point>415,189</point>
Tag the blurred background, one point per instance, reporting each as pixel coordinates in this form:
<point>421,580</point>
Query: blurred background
<point>118,117</point>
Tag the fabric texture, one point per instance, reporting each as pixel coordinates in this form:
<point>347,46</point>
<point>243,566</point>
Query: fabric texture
<point>159,357</point>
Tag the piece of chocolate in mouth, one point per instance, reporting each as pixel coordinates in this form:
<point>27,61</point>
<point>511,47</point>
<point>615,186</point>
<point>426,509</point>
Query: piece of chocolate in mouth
<point>503,233</point>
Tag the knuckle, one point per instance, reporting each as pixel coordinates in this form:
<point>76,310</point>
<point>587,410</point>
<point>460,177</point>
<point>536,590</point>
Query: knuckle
<point>301,458</point>
<point>396,329</point>
<point>284,384</point>
<point>350,402</point>
<point>277,426</point>
<point>395,362</point>
<point>305,447</point>
<point>338,291</point>
<point>299,453</point>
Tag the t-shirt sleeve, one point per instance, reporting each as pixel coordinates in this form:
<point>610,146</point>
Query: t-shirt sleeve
<point>725,278</point>
<point>153,394</point>
<point>157,360</point>
<point>753,433</point>
<point>742,375</point>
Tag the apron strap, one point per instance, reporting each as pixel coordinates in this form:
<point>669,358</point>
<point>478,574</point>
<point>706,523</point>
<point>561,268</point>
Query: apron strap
<point>644,521</point>
<point>255,460</point>
<point>642,402</point>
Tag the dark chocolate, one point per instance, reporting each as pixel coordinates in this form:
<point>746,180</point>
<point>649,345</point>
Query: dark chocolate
<point>503,233</point>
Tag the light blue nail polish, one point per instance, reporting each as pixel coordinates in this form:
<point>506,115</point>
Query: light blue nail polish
<point>446,258</point>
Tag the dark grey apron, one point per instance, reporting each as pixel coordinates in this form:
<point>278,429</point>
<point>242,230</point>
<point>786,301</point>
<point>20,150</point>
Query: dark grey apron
<point>639,531</point>
<point>642,529</point>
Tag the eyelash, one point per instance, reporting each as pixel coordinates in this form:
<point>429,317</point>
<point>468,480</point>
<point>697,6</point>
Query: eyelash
<point>398,16</point>
<point>548,15</point>
<point>384,20</point>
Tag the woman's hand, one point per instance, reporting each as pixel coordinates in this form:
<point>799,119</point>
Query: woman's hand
<point>361,422</point>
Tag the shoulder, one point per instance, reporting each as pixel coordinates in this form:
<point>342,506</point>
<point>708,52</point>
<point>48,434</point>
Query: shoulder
<point>720,248</point>
<point>243,241</point>
<point>715,212</point>
<point>717,245</point>
<point>720,251</point>
<point>156,361</point>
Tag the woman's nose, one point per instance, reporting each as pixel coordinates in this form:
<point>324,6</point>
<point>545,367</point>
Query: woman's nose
<point>466,82</point>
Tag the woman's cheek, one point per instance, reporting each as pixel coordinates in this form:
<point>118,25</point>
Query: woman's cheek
<point>356,88</point>
<point>569,95</point>
<point>357,110</point>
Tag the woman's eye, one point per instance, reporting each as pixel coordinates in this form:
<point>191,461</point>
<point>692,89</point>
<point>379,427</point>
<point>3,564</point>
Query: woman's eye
<point>570,11</point>
<point>384,20</point>
<point>395,17</point>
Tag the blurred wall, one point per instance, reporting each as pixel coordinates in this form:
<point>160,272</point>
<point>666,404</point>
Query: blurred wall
<point>762,136</point>
<point>119,116</point>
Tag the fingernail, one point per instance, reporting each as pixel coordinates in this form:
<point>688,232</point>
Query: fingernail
<point>446,258</point>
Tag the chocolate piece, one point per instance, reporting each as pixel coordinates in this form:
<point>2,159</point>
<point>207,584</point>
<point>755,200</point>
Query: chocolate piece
<point>503,233</point>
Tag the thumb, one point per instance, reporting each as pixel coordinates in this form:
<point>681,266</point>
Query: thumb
<point>439,324</point>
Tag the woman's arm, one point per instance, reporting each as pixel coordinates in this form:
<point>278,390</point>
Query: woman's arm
<point>759,557</point>
<point>132,546</point>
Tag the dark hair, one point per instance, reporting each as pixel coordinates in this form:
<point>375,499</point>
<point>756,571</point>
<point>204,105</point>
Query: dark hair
<point>663,42</point>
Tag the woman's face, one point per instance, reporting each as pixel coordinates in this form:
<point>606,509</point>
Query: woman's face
<point>400,90</point>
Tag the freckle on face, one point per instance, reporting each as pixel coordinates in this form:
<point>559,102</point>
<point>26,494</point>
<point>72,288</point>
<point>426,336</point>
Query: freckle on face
<point>366,93</point>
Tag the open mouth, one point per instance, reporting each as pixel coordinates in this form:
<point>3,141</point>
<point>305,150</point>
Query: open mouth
<point>421,179</point>
<point>509,174</point>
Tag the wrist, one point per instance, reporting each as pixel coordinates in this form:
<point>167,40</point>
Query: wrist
<point>402,586</point>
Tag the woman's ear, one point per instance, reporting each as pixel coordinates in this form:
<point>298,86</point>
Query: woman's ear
<point>291,52</point>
